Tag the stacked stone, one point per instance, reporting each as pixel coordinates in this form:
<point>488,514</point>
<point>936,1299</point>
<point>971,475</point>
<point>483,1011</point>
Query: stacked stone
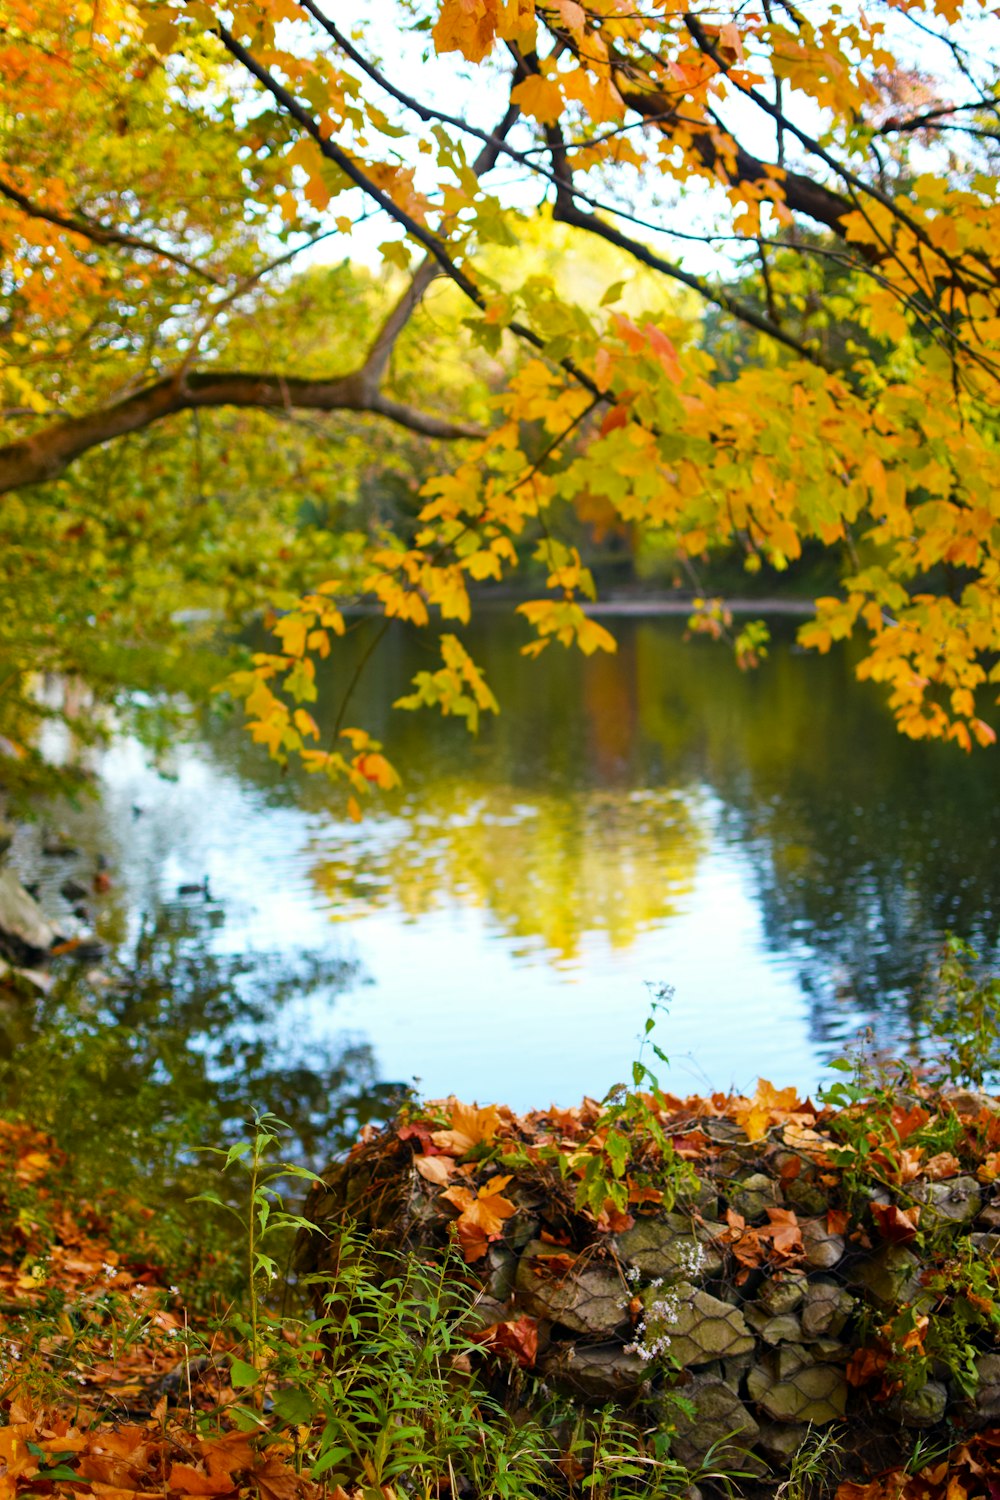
<point>660,1309</point>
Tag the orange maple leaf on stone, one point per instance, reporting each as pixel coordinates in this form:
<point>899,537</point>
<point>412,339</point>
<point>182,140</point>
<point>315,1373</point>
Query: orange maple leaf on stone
<point>909,1164</point>
<point>470,1127</point>
<point>944,1164</point>
<point>518,1335</point>
<point>481,1215</point>
<point>768,1106</point>
<point>893,1224</point>
<point>784,1232</point>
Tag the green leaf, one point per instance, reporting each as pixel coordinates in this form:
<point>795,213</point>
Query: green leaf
<point>613,293</point>
<point>618,1150</point>
<point>241,1374</point>
<point>294,1406</point>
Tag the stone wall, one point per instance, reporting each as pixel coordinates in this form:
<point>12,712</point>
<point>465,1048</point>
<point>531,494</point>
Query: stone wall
<point>774,1300</point>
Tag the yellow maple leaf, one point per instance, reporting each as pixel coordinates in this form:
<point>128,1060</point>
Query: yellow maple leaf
<point>539,97</point>
<point>767,1106</point>
<point>470,1127</point>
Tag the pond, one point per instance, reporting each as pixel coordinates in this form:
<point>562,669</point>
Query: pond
<point>763,844</point>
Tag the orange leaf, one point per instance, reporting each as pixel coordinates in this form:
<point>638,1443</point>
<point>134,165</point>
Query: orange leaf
<point>518,1335</point>
<point>191,1481</point>
<point>893,1224</point>
<point>470,1127</point>
<point>437,1169</point>
<point>942,1165</point>
<point>540,98</point>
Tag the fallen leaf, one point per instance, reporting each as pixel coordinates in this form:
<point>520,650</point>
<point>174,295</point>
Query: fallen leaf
<point>188,1480</point>
<point>517,1335</point>
<point>481,1216</point>
<point>436,1169</point>
<point>470,1127</point>
<point>894,1224</point>
<point>767,1107</point>
<point>942,1165</point>
<point>784,1232</point>
<point>277,1481</point>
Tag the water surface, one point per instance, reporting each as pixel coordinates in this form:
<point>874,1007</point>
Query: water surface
<point>765,844</point>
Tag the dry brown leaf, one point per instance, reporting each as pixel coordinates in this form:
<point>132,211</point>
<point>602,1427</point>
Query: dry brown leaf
<point>436,1169</point>
<point>187,1480</point>
<point>278,1481</point>
<point>942,1165</point>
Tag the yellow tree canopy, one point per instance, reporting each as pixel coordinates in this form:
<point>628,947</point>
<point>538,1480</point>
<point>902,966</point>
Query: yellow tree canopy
<point>820,178</point>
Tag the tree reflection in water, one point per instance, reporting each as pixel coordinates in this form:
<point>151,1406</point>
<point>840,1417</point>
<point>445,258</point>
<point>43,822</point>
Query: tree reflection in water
<point>177,1043</point>
<point>590,803</point>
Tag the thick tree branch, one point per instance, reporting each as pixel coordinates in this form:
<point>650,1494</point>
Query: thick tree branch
<point>47,453</point>
<point>800,194</point>
<point>567,211</point>
<point>99,235</point>
<point>860,186</point>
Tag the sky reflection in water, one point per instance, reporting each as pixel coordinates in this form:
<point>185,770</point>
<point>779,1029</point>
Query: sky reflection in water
<point>766,845</point>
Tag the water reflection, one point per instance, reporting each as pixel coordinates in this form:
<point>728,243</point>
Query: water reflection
<point>172,1047</point>
<point>589,808</point>
<point>766,843</point>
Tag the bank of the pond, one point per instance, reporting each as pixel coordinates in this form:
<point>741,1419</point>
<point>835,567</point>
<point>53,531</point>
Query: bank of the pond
<point>753,1296</point>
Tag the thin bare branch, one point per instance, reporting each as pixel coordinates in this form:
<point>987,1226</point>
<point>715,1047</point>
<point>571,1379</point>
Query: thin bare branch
<point>99,234</point>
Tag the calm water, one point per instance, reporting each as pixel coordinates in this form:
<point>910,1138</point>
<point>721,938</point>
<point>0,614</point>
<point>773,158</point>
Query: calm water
<point>764,844</point>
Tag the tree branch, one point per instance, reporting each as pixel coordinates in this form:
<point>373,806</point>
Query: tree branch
<point>46,454</point>
<point>430,241</point>
<point>99,235</point>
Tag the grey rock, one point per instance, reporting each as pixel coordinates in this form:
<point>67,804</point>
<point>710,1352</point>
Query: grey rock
<point>805,1196</point>
<point>720,1425</point>
<point>923,1408</point>
<point>827,1308</point>
<point>888,1276</point>
<point>972,1101</point>
<point>782,1294</point>
<point>780,1441</point>
<point>985,1244</point>
<point>734,1369</point>
<point>26,935</point>
<point>696,1326</point>
<point>990,1217</point>
<point>703,1199</point>
<point>954,1201</point>
<point>790,1388</point>
<point>668,1247</point>
<point>590,1300</point>
<point>599,1372</point>
<point>521,1231</point>
<point>823,1249</point>
<point>486,1311</point>
<point>754,1196</point>
<point>57,846</point>
<point>501,1268</point>
<point>988,1390</point>
<point>785,1328</point>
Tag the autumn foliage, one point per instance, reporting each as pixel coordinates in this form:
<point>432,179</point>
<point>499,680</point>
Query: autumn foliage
<point>797,348</point>
<point>111,1402</point>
